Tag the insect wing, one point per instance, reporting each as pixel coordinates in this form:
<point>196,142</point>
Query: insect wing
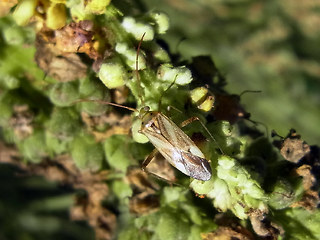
<point>176,147</point>
<point>198,168</point>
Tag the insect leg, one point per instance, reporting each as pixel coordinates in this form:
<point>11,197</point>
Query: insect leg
<point>192,119</point>
<point>146,163</point>
<point>148,159</point>
<point>169,108</point>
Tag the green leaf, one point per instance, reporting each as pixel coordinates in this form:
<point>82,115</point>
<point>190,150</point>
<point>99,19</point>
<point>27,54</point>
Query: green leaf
<point>87,153</point>
<point>34,147</point>
<point>121,152</point>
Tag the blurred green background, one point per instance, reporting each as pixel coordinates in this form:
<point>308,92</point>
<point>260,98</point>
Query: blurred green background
<point>272,46</point>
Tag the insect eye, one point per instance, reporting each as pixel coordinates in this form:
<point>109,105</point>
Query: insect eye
<point>146,108</point>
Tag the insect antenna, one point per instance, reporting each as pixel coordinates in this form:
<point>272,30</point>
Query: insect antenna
<point>137,71</point>
<point>107,103</point>
<point>160,99</point>
<point>253,121</point>
<point>257,122</point>
<point>192,119</point>
<point>249,91</point>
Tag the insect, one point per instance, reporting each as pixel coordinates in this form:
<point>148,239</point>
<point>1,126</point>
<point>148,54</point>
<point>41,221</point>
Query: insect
<point>172,143</point>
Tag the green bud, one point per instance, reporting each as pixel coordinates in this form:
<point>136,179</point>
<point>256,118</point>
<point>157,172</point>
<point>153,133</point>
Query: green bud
<point>161,20</point>
<point>172,226</point>
<point>64,123</point>
<point>239,211</point>
<point>96,6</point>
<point>173,195</point>
<point>87,153</point>
<point>116,151</point>
<point>14,35</point>
<point>198,94</point>
<point>138,29</point>
<point>10,81</point>
<point>202,187</point>
<point>93,89</point>
<point>207,104</point>
<point>121,189</point>
<point>226,128</point>
<point>199,97</point>
<point>221,195</point>
<point>24,11</point>
<point>55,146</point>
<point>56,16</point>
<point>160,54</point>
<point>77,10</point>
<point>94,108</point>
<point>138,137</point>
<point>181,75</point>
<point>64,94</point>
<point>89,86</point>
<point>130,56</point>
<point>112,74</point>
<point>226,162</point>
<point>282,195</point>
<point>232,188</point>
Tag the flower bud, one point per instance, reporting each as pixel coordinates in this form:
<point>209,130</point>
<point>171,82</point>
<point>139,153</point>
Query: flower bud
<point>97,6</point>
<point>112,74</point>
<point>130,56</point>
<point>138,137</point>
<point>64,94</point>
<point>181,75</point>
<point>56,16</point>
<point>24,11</point>
<point>138,29</point>
<point>161,20</point>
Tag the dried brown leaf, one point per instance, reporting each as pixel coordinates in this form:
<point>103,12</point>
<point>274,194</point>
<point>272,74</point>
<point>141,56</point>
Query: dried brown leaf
<point>117,124</point>
<point>293,149</point>
<point>144,203</point>
<point>140,181</point>
<point>310,199</point>
<point>77,37</point>
<point>120,94</point>
<point>144,199</point>
<point>63,67</point>
<point>161,168</point>
<point>264,227</point>
<point>8,154</point>
<point>228,233</point>
<point>54,61</point>
<point>308,178</point>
